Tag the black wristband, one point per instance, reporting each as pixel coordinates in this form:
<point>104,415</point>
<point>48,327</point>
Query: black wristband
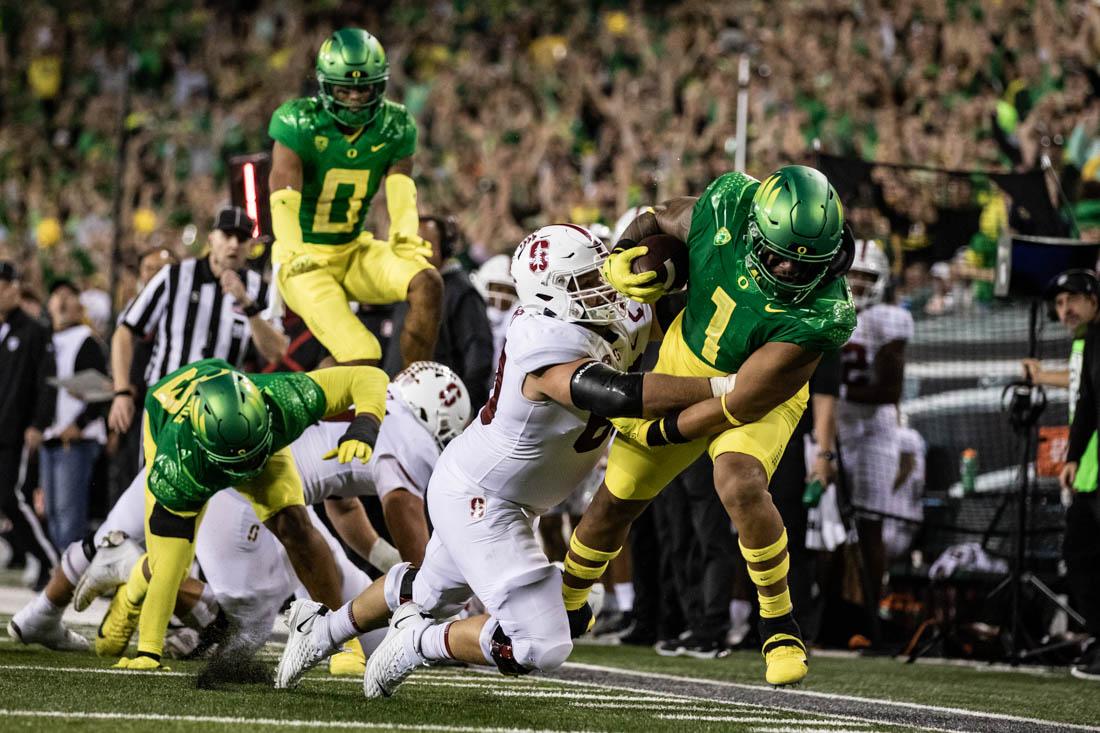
<point>128,392</point>
<point>363,428</point>
<point>253,309</point>
<point>665,431</point>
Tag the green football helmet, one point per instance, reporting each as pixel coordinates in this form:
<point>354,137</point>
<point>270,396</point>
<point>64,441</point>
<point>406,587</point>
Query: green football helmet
<point>794,230</point>
<point>351,57</point>
<point>231,424</point>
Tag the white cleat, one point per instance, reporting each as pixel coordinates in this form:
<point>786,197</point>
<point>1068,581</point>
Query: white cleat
<point>110,568</point>
<point>50,634</point>
<point>398,654</point>
<point>301,652</point>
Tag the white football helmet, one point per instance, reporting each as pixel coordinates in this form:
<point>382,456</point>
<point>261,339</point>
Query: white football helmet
<point>436,397</point>
<point>494,281</point>
<point>557,273</point>
<point>870,260</point>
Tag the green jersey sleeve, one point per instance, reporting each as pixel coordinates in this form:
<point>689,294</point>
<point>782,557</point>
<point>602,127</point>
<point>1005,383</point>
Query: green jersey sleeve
<point>288,126</point>
<point>296,402</point>
<point>406,134</point>
<point>720,211</point>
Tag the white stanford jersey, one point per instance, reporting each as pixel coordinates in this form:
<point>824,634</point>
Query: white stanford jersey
<point>536,453</point>
<point>403,457</point>
<point>875,327</point>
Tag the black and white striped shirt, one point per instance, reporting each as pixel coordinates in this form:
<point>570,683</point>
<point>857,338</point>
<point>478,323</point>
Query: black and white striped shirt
<point>192,319</point>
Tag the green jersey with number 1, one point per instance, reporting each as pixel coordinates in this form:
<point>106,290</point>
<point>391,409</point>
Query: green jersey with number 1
<point>340,173</point>
<point>727,317</point>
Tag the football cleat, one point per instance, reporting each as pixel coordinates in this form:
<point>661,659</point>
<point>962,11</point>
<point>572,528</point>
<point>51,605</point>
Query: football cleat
<point>113,635</point>
<point>784,651</point>
<point>398,654</point>
<point>349,662</point>
<point>301,652</point>
<point>110,568</point>
<point>48,632</point>
<point>141,663</point>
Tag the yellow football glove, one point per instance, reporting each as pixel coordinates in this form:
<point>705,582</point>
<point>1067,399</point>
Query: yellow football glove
<point>410,246</point>
<point>634,428</point>
<point>358,441</point>
<point>616,271</point>
<point>141,664</point>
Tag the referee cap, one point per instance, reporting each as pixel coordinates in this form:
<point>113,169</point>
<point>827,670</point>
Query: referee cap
<point>234,220</point>
<point>1074,281</point>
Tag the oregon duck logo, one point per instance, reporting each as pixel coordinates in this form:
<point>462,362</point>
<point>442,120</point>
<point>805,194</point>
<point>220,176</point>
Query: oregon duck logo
<point>722,236</point>
<point>321,143</point>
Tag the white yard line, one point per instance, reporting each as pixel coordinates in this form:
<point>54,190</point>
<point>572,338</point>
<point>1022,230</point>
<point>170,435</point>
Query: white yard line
<point>831,696</point>
<point>752,719</point>
<point>274,722</point>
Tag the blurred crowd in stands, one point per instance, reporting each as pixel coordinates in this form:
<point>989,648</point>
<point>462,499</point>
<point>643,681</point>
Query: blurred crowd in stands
<point>528,114</point>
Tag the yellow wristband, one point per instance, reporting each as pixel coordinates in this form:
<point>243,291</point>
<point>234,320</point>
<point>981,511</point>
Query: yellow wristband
<point>729,417</point>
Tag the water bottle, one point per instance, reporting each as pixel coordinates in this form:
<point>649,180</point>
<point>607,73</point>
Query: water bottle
<point>812,495</point>
<point>968,470</point>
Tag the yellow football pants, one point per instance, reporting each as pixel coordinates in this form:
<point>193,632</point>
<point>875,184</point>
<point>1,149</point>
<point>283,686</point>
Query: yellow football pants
<point>317,281</point>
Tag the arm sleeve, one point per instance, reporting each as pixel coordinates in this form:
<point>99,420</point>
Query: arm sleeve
<point>148,307</point>
<point>91,356</point>
<point>1084,416</point>
<point>284,127</point>
<point>362,386</point>
<point>46,403</point>
<point>406,144</point>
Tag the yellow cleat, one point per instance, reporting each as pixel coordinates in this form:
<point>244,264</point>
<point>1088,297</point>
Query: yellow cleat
<point>785,656</point>
<point>351,662</point>
<point>113,635</point>
<point>141,664</point>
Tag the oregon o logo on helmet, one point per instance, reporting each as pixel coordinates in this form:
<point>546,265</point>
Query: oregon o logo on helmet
<point>801,250</point>
<point>540,256</point>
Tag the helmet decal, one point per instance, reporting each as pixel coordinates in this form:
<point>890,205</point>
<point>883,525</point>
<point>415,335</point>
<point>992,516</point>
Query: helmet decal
<point>540,256</point>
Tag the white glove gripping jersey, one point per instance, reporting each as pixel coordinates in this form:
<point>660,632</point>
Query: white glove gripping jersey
<point>403,457</point>
<point>535,453</point>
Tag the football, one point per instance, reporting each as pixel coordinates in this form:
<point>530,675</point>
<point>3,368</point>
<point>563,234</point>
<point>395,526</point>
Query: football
<point>668,257</point>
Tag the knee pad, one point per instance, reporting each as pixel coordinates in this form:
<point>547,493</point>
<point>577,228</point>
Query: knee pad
<point>524,654</point>
<point>545,655</point>
<point>399,583</point>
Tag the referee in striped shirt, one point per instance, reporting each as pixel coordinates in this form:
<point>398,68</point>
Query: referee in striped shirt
<point>201,308</point>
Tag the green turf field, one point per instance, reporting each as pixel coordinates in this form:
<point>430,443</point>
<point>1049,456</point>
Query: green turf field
<point>602,689</point>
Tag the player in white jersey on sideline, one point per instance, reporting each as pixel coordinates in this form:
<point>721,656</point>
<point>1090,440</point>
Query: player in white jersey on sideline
<point>867,414</point>
<point>494,281</point>
<point>561,375</point>
<point>248,575</point>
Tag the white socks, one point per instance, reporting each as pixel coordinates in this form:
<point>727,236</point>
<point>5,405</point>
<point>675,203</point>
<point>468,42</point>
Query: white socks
<point>433,642</point>
<point>624,594</point>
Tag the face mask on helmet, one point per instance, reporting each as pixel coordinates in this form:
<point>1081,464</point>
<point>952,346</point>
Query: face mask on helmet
<point>779,274</point>
<point>557,273</point>
<point>352,105</point>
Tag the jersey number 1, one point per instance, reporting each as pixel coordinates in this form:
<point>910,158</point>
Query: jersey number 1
<point>334,179</point>
<point>724,306</point>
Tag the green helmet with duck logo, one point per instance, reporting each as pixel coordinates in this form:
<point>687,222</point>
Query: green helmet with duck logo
<point>794,230</point>
<point>231,424</point>
<point>351,57</point>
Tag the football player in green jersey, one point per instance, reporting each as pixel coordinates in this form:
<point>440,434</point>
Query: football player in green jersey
<point>209,427</point>
<point>764,300</point>
<point>331,154</point>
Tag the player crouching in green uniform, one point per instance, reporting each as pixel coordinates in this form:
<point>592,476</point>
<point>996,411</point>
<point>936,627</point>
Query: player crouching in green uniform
<point>209,427</point>
<point>766,298</point>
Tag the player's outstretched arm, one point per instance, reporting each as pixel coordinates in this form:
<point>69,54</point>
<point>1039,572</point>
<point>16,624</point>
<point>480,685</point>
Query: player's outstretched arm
<point>771,376</point>
<point>364,387</point>
<point>352,524</point>
<point>285,183</point>
<point>602,390</point>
